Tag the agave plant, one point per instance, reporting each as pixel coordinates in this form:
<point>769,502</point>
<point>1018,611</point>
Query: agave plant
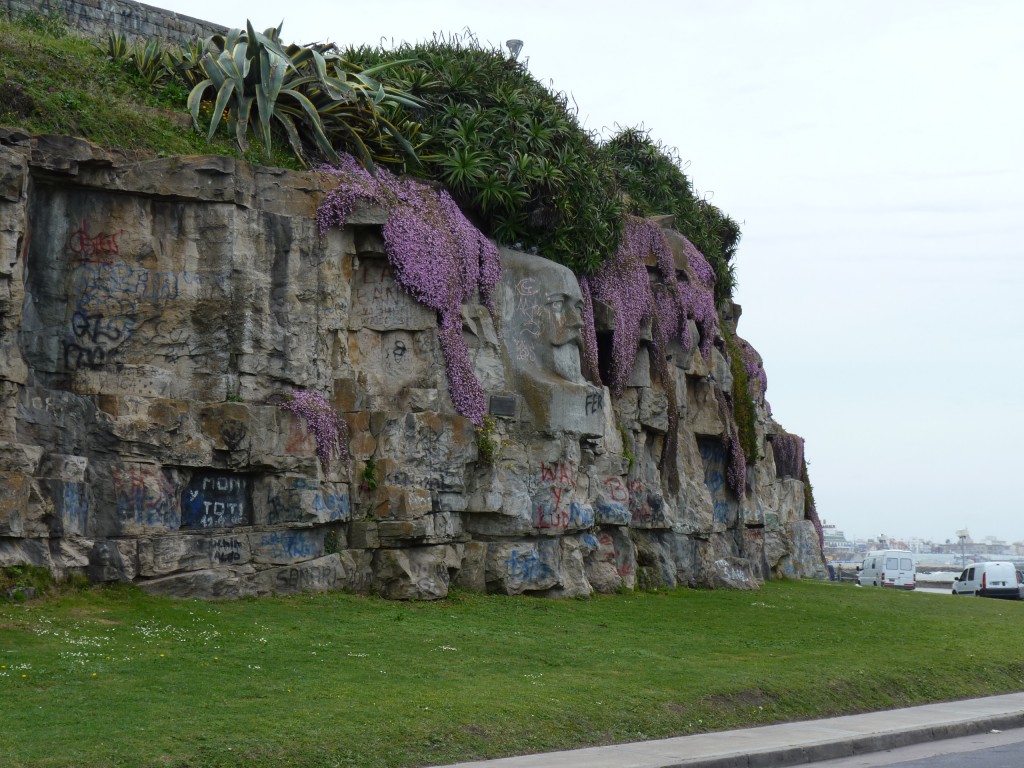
<point>311,93</point>
<point>117,46</point>
<point>150,62</point>
<point>185,60</point>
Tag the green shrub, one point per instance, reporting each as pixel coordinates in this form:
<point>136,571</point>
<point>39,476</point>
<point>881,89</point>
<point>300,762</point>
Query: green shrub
<point>742,402</point>
<point>20,582</point>
<point>652,179</point>
<point>488,442</point>
<point>516,159</point>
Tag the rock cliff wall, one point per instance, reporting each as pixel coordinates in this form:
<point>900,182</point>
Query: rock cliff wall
<point>155,316</point>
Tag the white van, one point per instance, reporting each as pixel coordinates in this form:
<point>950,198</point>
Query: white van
<point>995,579</point>
<point>894,568</point>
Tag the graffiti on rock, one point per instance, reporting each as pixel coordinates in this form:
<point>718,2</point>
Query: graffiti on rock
<point>215,500</point>
<point>145,495</point>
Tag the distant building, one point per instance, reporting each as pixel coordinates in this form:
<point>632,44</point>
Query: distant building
<point>836,547</point>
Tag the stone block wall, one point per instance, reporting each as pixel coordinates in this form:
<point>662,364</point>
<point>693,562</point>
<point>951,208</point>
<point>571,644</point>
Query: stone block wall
<point>96,19</point>
<point>154,315</point>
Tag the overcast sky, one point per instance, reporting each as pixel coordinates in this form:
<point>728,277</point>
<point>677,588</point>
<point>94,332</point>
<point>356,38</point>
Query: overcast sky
<point>873,152</point>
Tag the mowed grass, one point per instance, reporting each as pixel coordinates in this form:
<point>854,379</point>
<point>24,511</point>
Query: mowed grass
<point>113,677</point>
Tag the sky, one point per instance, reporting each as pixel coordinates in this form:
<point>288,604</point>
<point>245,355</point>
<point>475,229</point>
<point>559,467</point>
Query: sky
<point>873,153</point>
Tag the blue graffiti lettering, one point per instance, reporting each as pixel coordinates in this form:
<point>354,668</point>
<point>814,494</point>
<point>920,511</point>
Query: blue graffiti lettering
<point>581,515</point>
<point>612,513</point>
<point>290,544</point>
<point>74,508</point>
<point>331,506</point>
<point>526,566</point>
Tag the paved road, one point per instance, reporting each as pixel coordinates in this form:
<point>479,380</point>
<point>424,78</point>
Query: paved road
<point>995,749</point>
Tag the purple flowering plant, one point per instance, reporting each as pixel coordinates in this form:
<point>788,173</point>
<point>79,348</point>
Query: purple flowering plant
<point>324,421</point>
<point>699,296</point>
<point>736,461</point>
<point>590,365</point>
<point>436,254</point>
<point>757,379</point>
<point>624,284</point>
<point>789,454</point>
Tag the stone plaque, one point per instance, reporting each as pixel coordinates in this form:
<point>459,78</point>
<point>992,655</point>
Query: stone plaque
<point>502,405</point>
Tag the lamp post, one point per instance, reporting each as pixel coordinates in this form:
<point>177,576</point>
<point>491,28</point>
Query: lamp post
<point>514,47</point>
<point>963,535</point>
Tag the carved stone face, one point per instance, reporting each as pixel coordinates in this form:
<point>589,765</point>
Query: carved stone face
<point>542,334</point>
<point>542,317</point>
<point>564,321</point>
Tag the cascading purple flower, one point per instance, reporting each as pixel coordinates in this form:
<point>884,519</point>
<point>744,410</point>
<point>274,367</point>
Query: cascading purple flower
<point>437,256</point>
<point>591,368</point>
<point>324,422</point>
<point>788,450</point>
<point>623,284</point>
<point>757,379</point>
<point>736,472</point>
<point>736,465</point>
<point>699,296</point>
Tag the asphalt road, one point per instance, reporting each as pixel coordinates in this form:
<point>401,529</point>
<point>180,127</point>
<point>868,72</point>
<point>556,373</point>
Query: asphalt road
<point>997,749</point>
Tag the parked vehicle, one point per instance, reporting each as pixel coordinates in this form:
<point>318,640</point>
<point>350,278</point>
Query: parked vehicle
<point>995,579</point>
<point>895,568</point>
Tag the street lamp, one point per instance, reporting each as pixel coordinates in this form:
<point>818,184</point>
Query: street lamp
<point>514,47</point>
<point>963,535</point>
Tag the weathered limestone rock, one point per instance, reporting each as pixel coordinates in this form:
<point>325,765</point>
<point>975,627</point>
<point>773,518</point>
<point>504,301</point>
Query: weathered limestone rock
<point>286,546</point>
<point>204,585</point>
<point>523,566</point>
<point>335,571</point>
<point>19,551</point>
<point>162,555</point>
<point>573,575</point>
<point>421,573</point>
<point>655,565</point>
<point>806,552</point>
<point>70,555</point>
<point>155,314</point>
<point>108,563</point>
<point>732,573</point>
<point>611,560</point>
<point>472,574</point>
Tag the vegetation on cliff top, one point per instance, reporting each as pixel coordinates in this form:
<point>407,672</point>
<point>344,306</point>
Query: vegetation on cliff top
<point>54,82</point>
<point>511,152</point>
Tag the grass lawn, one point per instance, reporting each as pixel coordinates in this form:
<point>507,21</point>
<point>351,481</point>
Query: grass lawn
<point>113,677</point>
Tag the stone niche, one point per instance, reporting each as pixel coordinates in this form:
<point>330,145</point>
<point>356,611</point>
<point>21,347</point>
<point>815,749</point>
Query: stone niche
<point>154,316</point>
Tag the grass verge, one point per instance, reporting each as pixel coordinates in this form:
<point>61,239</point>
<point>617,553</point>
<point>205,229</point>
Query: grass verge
<point>113,677</point>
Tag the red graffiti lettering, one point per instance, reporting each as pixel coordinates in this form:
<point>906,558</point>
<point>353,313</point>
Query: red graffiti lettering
<point>88,247</point>
<point>559,472</point>
<point>616,490</point>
